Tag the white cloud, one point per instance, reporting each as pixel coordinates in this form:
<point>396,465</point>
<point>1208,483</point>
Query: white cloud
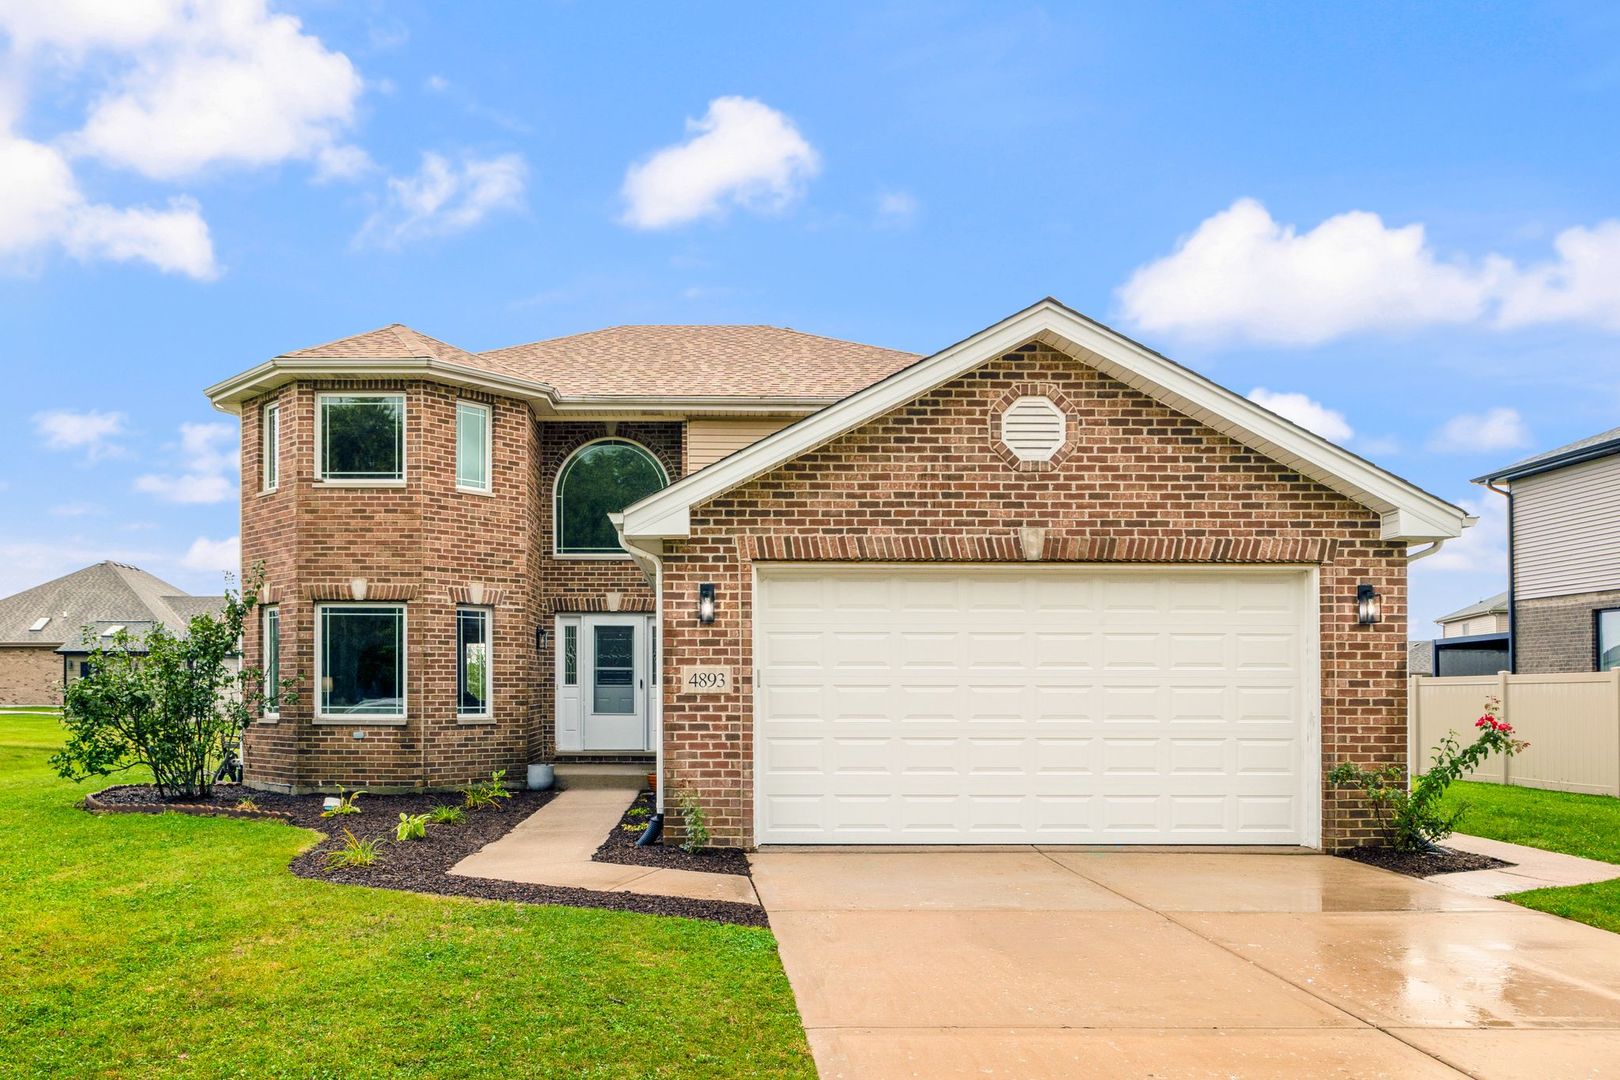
<point>1501,428</point>
<point>1308,414</point>
<point>41,206</point>
<point>896,208</point>
<point>1583,285</point>
<point>200,83</point>
<point>75,509</point>
<point>205,554</point>
<point>444,198</point>
<point>93,432</point>
<point>210,457</point>
<point>742,152</point>
<point>1481,549</point>
<point>1243,276</point>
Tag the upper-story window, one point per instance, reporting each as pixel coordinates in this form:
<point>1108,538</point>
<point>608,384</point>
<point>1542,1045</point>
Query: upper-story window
<point>472,446</point>
<point>602,478</point>
<point>362,438</point>
<point>272,447</point>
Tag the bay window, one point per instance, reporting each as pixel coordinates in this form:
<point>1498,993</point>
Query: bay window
<point>472,446</point>
<point>360,660</point>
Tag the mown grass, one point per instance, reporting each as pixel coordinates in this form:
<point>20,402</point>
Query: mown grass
<point>1584,825</point>
<point>135,945</point>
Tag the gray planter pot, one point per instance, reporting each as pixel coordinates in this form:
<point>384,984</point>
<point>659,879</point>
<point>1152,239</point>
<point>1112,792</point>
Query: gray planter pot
<point>541,777</point>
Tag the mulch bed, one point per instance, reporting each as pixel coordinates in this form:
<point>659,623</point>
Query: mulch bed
<point>620,847</point>
<point>416,865</point>
<point>1423,863</point>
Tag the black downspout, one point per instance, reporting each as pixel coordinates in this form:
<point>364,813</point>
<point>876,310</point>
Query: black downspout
<point>655,828</point>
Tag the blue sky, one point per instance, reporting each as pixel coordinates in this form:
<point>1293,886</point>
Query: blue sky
<point>1400,218</point>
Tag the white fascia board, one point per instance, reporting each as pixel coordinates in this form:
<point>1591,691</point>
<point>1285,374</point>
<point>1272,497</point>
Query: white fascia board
<point>1407,512</point>
<point>228,396</point>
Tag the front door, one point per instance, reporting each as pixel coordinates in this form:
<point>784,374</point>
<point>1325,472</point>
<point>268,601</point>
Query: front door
<point>614,682</point>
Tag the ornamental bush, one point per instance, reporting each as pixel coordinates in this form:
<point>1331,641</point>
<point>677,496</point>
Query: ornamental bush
<point>1411,817</point>
<point>171,704</point>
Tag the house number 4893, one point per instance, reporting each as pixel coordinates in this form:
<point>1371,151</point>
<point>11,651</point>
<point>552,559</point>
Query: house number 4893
<point>705,680</point>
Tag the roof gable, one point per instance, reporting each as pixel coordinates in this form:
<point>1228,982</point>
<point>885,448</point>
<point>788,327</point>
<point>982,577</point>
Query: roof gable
<point>1408,513</point>
<point>103,594</point>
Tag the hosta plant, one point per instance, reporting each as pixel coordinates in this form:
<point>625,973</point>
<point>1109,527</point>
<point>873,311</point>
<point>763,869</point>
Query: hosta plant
<point>411,827</point>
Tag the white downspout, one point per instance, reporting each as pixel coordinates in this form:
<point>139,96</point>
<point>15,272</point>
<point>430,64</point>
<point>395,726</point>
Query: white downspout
<point>1424,552</point>
<point>652,564</point>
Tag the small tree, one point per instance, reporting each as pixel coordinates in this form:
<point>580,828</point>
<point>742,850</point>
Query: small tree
<point>171,704</point>
<point>1410,816</point>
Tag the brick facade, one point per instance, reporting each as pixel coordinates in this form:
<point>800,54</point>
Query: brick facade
<point>1142,484</point>
<point>427,544</point>
<point>31,675</point>
<point>1557,633</point>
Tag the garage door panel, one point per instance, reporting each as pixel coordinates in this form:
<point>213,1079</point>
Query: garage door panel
<point>913,705</point>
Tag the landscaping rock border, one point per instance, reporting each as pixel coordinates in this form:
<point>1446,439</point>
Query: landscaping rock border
<point>420,866</point>
<point>620,848</point>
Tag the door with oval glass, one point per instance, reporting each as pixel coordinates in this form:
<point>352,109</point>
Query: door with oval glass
<point>614,671</point>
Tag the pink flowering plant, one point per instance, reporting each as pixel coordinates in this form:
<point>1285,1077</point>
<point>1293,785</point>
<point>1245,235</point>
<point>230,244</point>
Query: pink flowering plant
<point>1411,817</point>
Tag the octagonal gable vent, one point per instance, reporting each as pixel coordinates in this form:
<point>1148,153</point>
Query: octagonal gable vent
<point>1033,428</point>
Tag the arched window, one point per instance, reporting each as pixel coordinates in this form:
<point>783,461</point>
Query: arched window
<point>601,478</point>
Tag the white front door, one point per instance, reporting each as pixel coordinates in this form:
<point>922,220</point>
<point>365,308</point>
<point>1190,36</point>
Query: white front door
<point>613,670</point>
<point>1056,704</point>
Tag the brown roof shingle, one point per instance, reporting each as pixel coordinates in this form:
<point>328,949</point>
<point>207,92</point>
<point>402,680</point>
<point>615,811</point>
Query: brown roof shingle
<point>397,341</point>
<point>702,361</point>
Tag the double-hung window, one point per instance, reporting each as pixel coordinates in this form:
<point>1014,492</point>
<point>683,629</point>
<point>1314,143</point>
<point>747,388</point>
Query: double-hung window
<point>474,678</point>
<point>272,447</point>
<point>272,662</point>
<point>360,660</point>
<point>472,446</point>
<point>1608,639</point>
<point>362,438</point>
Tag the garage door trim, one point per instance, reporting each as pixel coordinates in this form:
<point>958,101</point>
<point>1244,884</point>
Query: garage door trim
<point>1310,768</point>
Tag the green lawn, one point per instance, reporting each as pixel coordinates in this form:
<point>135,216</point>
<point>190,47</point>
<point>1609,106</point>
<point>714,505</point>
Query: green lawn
<point>135,945</point>
<point>1585,825</point>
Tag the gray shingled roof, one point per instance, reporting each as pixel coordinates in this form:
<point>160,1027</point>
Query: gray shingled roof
<point>1593,446</point>
<point>101,596</point>
<point>1491,605</point>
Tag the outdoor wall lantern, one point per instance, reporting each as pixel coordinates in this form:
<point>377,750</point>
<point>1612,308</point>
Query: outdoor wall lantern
<point>1369,606</point>
<point>706,604</point>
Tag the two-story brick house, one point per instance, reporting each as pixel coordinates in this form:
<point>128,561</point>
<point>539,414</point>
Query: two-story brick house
<point>1042,584</point>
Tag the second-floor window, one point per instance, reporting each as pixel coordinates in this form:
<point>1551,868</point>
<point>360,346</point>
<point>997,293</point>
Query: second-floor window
<point>362,438</point>
<point>472,446</point>
<point>272,447</point>
<point>601,478</point>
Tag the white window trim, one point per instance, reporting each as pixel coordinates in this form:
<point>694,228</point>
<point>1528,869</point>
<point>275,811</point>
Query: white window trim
<point>321,479</point>
<point>489,448</point>
<point>556,489</point>
<point>488,715</point>
<point>270,716</point>
<point>365,719</point>
<point>270,463</point>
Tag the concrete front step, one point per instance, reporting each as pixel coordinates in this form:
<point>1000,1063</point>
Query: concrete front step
<point>630,776</point>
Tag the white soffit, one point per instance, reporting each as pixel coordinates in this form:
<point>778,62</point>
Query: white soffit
<point>1409,514</point>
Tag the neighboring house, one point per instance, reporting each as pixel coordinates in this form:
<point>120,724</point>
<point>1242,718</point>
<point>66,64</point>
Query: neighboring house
<point>1043,585</point>
<point>46,632</point>
<point>1564,556</point>
<point>1473,641</point>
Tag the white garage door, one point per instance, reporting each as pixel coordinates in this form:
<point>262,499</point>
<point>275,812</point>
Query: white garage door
<point>1035,705</point>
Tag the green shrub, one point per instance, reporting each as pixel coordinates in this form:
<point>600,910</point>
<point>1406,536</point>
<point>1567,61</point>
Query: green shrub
<point>345,805</point>
<point>696,822</point>
<point>486,794</point>
<point>446,815</point>
<point>354,852</point>
<point>1411,816</point>
<point>411,827</point>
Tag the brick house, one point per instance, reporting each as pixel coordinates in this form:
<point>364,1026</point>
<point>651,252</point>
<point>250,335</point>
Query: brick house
<point>1563,600</point>
<point>1043,584</point>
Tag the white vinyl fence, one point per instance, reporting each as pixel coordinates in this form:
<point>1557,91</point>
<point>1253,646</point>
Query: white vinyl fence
<point>1572,722</point>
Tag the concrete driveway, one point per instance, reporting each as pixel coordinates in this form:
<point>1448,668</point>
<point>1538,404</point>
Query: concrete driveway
<point>1036,963</point>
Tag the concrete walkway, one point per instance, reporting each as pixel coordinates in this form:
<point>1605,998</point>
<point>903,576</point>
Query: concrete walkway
<point>554,845</point>
<point>1534,869</point>
<point>1043,964</point>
